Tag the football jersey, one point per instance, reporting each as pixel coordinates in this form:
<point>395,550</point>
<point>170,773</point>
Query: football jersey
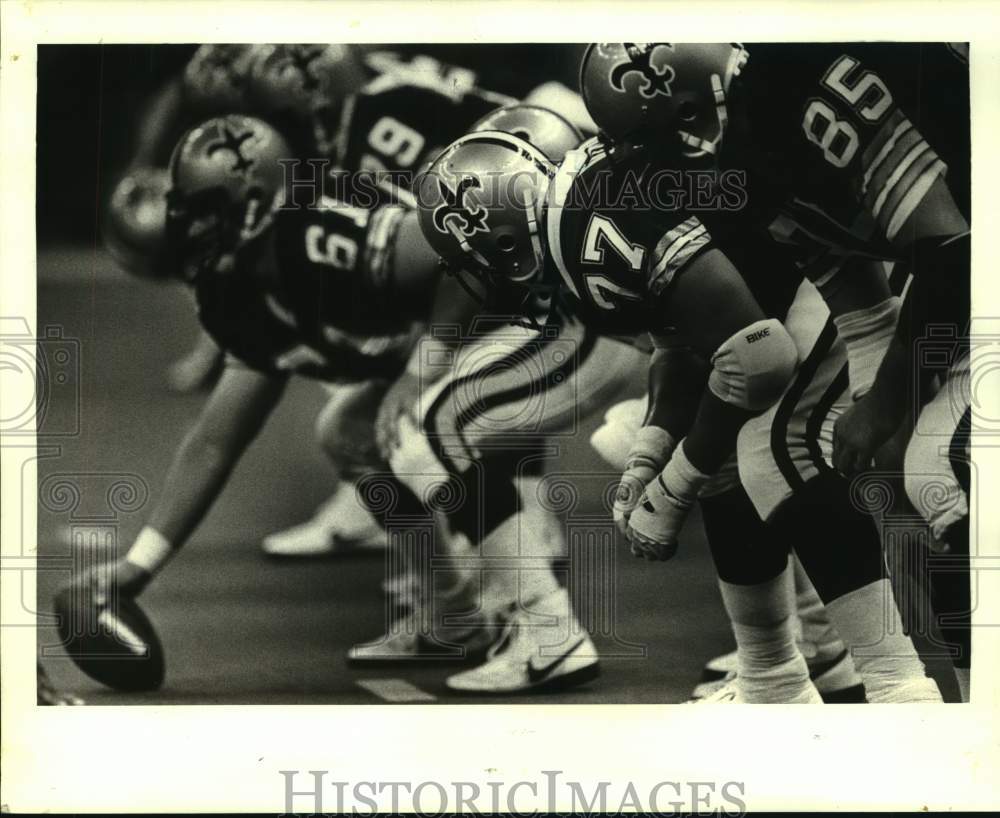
<point>397,123</point>
<point>836,153</point>
<point>616,256</point>
<point>329,313</point>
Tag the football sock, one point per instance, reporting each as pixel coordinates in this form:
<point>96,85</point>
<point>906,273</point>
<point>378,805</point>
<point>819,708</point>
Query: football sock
<point>771,669</point>
<point>841,551</point>
<point>870,624</point>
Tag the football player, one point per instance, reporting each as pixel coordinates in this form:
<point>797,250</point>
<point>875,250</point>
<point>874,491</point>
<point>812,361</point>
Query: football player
<point>323,292</point>
<point>631,267</point>
<point>837,171</point>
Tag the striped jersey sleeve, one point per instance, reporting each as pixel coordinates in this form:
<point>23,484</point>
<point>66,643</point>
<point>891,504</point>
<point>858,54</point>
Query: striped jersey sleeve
<point>897,169</point>
<point>677,247</point>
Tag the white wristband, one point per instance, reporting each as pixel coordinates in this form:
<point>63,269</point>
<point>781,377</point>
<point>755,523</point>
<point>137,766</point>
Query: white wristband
<point>652,447</point>
<point>866,334</point>
<point>150,550</point>
<point>681,478</point>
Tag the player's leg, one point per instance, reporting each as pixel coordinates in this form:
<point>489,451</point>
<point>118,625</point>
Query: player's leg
<point>936,476</point>
<point>484,425</point>
<point>755,583</point>
<point>783,458</point>
<point>344,430</point>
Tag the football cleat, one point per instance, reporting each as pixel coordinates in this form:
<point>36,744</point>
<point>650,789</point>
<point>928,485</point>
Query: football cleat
<point>729,692</point>
<point>49,696</point>
<point>339,526</point>
<point>835,679</point>
<point>410,640</point>
<point>552,134</point>
<point>670,97</point>
<point>530,656</point>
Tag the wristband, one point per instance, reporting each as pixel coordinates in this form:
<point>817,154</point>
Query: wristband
<point>681,479</point>
<point>866,334</point>
<point>651,447</point>
<point>150,550</point>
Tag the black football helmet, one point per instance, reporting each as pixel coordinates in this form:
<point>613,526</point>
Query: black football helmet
<point>663,97</point>
<point>226,180</point>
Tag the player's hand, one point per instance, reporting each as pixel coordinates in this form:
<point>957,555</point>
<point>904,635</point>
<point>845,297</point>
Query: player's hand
<point>655,523</point>
<point>630,489</point>
<point>858,434</point>
<point>398,402</point>
<point>125,577</point>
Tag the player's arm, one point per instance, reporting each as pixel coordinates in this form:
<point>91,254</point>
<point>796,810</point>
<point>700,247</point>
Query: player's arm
<point>752,361</point>
<point>234,413</point>
<point>676,379</point>
<point>158,126</point>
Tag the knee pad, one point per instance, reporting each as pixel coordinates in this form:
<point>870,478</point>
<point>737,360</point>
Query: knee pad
<point>752,367</point>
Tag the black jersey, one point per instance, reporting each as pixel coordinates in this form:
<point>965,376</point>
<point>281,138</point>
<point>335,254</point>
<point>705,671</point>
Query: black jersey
<point>397,123</point>
<point>616,252</point>
<point>836,147</point>
<point>329,312</point>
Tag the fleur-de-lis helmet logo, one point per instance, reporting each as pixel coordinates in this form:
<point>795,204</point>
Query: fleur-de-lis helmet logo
<point>640,60</point>
<point>453,215</point>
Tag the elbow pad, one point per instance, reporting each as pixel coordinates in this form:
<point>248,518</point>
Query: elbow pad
<point>753,366</point>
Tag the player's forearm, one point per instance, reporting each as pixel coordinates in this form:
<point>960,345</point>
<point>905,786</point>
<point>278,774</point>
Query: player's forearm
<point>195,479</point>
<point>158,127</point>
<point>676,380</point>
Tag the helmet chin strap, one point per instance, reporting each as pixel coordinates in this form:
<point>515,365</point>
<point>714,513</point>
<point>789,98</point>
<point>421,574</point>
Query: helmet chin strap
<point>701,147</point>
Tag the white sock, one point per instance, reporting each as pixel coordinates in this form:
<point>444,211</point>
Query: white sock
<point>870,624</point>
<point>770,667</point>
<point>816,627</point>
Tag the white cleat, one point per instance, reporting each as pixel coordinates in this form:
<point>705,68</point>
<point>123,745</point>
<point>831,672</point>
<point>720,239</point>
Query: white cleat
<point>534,656</point>
<point>409,639</point>
<point>729,692</point>
<point>340,526</point>
<point>836,679</point>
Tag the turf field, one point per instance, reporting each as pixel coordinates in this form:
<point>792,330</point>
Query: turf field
<point>238,628</point>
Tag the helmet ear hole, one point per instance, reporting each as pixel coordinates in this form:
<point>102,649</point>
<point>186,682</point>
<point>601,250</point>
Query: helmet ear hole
<point>687,111</point>
<point>506,243</point>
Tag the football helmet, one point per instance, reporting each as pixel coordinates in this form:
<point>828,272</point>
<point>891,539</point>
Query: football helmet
<point>549,132</point>
<point>215,78</point>
<point>480,204</point>
<point>302,79</point>
<point>667,97</point>
<point>226,180</point>
<point>135,222</point>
